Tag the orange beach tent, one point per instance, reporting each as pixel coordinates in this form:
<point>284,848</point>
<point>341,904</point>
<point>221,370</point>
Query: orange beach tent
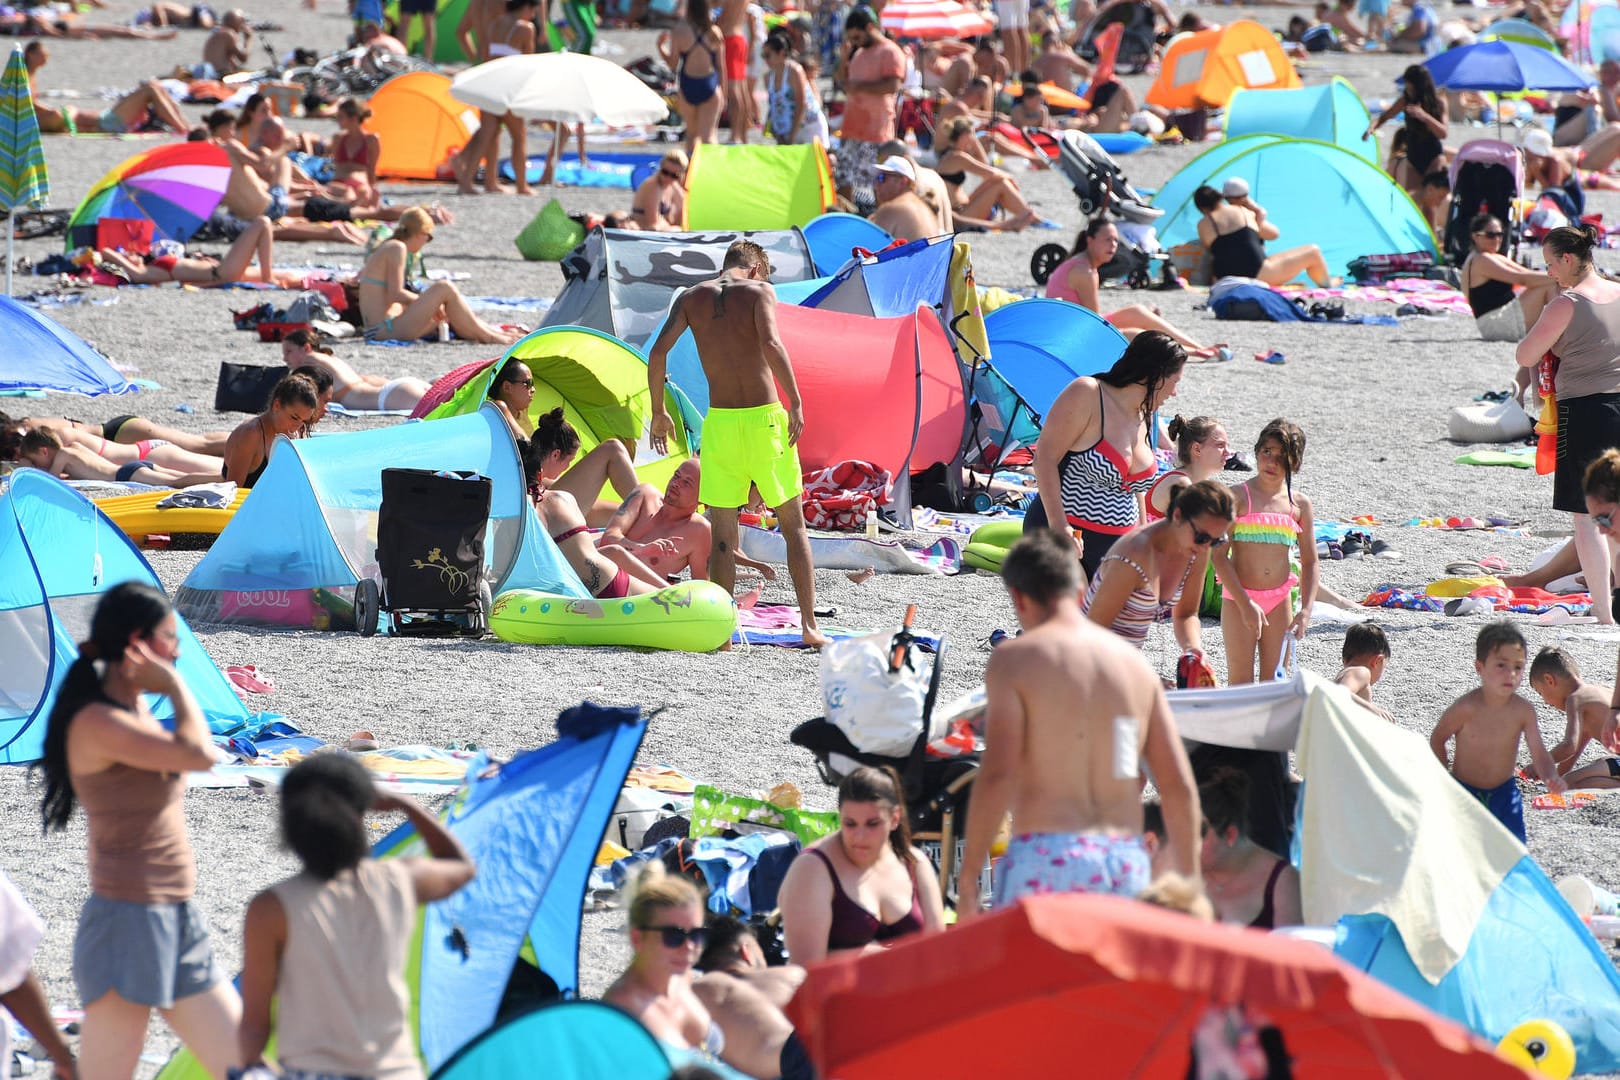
<point>1204,70</point>
<point>420,126</point>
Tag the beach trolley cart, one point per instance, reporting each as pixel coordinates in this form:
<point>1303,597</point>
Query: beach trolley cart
<point>430,555</point>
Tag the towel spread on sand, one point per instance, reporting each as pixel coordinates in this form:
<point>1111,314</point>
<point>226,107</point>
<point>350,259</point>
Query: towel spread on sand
<point>1431,294</point>
<point>201,496</point>
<point>1424,853</point>
<point>944,556</point>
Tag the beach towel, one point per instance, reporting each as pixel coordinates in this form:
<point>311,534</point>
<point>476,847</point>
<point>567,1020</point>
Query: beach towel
<point>1522,458</point>
<point>944,556</point>
<point>1260,303</point>
<point>1428,859</point>
<point>778,624</point>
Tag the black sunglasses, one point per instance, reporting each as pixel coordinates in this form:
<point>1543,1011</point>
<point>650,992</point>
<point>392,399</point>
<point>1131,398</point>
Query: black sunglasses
<point>674,937</point>
<point>1604,521</point>
<point>525,382</point>
<point>1203,539</point>
<point>671,175</point>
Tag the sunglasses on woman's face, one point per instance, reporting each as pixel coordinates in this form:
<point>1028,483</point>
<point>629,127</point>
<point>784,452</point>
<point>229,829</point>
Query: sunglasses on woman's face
<point>674,937</point>
<point>1203,539</point>
<point>672,175</point>
<point>1604,521</point>
<point>523,382</point>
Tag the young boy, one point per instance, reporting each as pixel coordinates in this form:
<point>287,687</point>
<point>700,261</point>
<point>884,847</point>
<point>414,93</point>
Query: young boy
<point>1585,706</point>
<point>1365,652</point>
<point>1488,723</point>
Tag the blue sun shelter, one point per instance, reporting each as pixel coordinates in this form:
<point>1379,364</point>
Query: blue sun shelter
<point>1330,112</point>
<point>577,1040</point>
<point>58,554</point>
<point>41,355</point>
<point>1041,346</point>
<point>307,533</point>
<point>1314,192</point>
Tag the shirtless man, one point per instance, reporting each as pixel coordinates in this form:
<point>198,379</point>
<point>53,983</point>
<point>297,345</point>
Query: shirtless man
<point>126,115</point>
<point>748,437</point>
<point>901,212</point>
<point>665,530</point>
<point>746,998</point>
<point>733,23</point>
<point>1072,713</point>
<point>1060,65</point>
<point>226,50</point>
<point>350,388</point>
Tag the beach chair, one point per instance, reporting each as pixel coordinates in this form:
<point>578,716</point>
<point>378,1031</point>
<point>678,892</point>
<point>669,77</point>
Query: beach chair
<point>1487,176</point>
<point>430,555</point>
<point>936,789</point>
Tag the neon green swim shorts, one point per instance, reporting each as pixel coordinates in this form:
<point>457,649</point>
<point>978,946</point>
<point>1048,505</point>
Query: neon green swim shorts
<point>748,446</point>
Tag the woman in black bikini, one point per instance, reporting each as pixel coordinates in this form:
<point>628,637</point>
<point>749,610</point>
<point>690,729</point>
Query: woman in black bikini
<point>247,451</point>
<point>1488,278</point>
<point>1248,885</point>
<point>1425,128</point>
<point>660,204</point>
<point>1235,229</point>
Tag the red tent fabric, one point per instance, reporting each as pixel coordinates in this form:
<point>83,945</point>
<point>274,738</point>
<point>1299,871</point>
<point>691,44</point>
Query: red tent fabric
<point>1103,986</point>
<point>445,386</point>
<point>887,391</point>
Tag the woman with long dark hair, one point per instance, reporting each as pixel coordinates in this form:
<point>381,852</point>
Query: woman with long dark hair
<point>141,942</point>
<point>1425,126</point>
<point>694,50</point>
<point>1093,457</point>
<point>864,885</point>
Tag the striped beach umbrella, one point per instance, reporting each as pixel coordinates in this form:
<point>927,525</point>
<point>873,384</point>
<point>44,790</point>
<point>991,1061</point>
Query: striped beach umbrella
<point>176,186</point>
<point>23,180</point>
<point>932,19</point>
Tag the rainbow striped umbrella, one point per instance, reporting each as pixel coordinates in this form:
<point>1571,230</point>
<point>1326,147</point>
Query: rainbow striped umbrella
<point>175,186</point>
<point>23,180</point>
<point>932,19</point>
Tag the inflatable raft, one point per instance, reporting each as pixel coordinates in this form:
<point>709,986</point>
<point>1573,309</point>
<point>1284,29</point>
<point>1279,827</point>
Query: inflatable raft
<point>693,616</point>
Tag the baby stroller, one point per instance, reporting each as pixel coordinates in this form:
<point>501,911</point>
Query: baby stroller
<point>1137,43</point>
<point>1487,177</point>
<point>936,789</point>
<point>430,555</point>
<point>1100,186</point>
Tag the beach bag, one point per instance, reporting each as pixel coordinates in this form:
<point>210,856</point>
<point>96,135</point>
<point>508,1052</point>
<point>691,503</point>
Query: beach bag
<point>875,690</point>
<point>1489,422</point>
<point>839,496</point>
<point>245,387</point>
<point>1377,269</point>
<point>550,236</point>
<point>131,235</point>
<point>1254,303</point>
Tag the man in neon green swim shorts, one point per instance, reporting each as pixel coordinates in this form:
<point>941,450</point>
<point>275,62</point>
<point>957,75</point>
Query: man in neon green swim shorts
<point>748,436</point>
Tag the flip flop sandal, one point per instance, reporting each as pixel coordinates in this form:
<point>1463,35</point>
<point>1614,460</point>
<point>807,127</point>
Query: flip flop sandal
<point>1467,569</point>
<point>1494,562</point>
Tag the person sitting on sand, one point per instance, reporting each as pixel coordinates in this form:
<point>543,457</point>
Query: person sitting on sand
<point>255,240</point>
<point>1571,168</point>
<point>1060,65</point>
<point>291,410</point>
<point>746,998</point>
<point>665,530</point>
<point>1249,885</point>
<point>354,153</point>
<point>862,887</point>
<point>129,430</point>
<point>1488,278</point>
<point>392,312</point>
<point>901,211</point>
<point>666,938</point>
<point>660,202</point>
<point>1364,656</point>
<point>607,572</point>
<point>1077,280</point>
<point>1234,229</point>
<point>930,188</point>
<point>961,155</point>
<point>322,379</point>
<point>351,389</point>
<point>42,450</point>
<point>1556,678</point>
<point>609,462</point>
<point>147,103</point>
<point>226,50</point>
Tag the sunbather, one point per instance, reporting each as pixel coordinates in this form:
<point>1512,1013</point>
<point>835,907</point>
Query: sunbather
<point>1234,229</point>
<point>130,430</point>
<point>255,241</point>
<point>746,998</point>
<point>42,450</point>
<point>1077,280</point>
<point>148,102</point>
<point>351,389</point>
<point>158,452</point>
<point>994,190</point>
<point>607,463</point>
<point>1556,678</point>
<point>392,312</point>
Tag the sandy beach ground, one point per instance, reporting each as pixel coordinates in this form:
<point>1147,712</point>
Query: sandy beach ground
<point>1372,400</point>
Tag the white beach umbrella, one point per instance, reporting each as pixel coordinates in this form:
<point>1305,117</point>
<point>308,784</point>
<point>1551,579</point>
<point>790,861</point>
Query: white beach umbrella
<point>567,87</point>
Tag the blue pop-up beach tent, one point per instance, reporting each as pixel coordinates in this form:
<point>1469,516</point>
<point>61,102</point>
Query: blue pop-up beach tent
<point>41,355</point>
<point>1041,346</point>
<point>1330,112</point>
<point>1314,192</point>
<point>309,528</point>
<point>58,554</point>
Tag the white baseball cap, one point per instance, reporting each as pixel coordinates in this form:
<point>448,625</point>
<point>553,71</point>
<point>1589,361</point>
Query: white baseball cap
<point>900,166</point>
<point>1539,142</point>
<point>1235,188</point>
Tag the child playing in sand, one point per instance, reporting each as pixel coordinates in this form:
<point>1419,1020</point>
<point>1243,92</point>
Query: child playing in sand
<point>1555,676</point>
<point>1272,516</point>
<point>1365,652</point>
<point>1488,723</point>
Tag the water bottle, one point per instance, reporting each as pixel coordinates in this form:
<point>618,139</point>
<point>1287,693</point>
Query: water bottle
<point>871,523</point>
<point>444,331</point>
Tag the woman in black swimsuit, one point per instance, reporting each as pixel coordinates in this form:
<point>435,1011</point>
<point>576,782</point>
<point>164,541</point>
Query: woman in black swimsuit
<point>1248,885</point>
<point>1425,128</point>
<point>1235,230</point>
<point>247,451</point>
<point>1488,278</point>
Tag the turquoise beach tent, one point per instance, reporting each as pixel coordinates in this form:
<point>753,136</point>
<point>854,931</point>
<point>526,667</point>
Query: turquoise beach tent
<point>309,529</point>
<point>578,1040</point>
<point>41,355</point>
<point>1330,112</point>
<point>58,554</point>
<point>1314,192</point>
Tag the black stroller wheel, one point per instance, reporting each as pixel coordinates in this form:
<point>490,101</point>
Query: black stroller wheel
<point>367,606</point>
<point>1045,260</point>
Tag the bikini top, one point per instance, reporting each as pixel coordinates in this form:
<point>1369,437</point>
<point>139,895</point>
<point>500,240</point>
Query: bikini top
<point>854,927</point>
<point>1268,910</point>
<point>1096,489</point>
<point>341,157</point>
<point>1142,606</point>
<point>1265,529</point>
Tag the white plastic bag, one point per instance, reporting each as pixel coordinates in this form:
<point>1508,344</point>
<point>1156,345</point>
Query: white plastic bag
<point>879,711</point>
